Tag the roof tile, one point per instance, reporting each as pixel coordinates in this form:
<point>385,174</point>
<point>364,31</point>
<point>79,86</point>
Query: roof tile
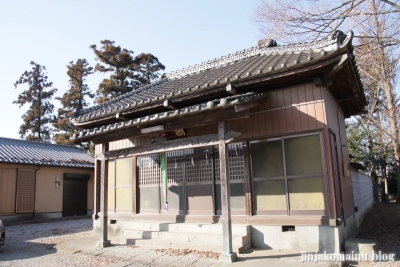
<point>39,153</point>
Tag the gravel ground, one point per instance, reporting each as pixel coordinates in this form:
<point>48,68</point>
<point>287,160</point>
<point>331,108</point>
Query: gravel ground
<point>382,224</point>
<point>46,244</point>
<point>55,244</point>
<point>33,244</point>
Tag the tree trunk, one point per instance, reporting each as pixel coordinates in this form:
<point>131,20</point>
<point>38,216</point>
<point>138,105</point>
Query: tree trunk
<point>383,185</point>
<point>374,179</point>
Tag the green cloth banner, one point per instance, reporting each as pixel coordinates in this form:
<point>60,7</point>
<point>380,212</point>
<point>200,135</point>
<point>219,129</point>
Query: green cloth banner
<point>165,178</point>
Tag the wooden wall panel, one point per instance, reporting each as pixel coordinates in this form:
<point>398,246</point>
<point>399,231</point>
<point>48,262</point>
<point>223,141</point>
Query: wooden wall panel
<point>320,114</point>
<point>304,117</point>
<point>268,123</point>
<point>8,182</point>
<point>312,121</point>
<point>288,111</point>
<point>291,110</point>
<point>275,122</point>
<point>335,119</point>
<point>255,125</point>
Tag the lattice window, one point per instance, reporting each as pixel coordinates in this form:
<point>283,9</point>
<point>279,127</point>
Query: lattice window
<point>193,165</point>
<point>198,166</point>
<point>149,169</point>
<point>217,171</point>
<point>175,162</point>
<point>236,168</point>
<point>25,191</point>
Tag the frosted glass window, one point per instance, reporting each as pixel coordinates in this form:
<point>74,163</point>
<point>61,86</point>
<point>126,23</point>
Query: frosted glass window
<point>270,195</point>
<point>267,159</point>
<point>303,156</point>
<point>306,194</point>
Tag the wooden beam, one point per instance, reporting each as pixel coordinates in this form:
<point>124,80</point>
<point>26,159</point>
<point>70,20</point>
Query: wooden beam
<point>342,62</point>
<point>319,82</point>
<point>199,119</point>
<point>104,198</point>
<point>231,89</point>
<point>347,98</point>
<point>179,144</point>
<point>297,72</point>
<point>246,106</point>
<point>227,251</point>
<point>168,104</point>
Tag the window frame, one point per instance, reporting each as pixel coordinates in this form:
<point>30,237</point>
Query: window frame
<point>286,178</point>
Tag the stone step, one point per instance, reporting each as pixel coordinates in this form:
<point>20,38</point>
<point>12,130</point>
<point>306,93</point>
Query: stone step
<point>237,229</point>
<point>180,235</point>
<point>183,236</point>
<point>361,246</point>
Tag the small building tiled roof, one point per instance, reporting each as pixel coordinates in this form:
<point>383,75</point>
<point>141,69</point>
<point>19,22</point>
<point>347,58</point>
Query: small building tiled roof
<point>249,73</point>
<point>248,64</point>
<point>40,153</point>
<point>213,104</point>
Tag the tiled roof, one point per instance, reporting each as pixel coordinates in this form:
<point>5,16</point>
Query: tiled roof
<point>243,65</point>
<point>215,104</point>
<point>38,153</point>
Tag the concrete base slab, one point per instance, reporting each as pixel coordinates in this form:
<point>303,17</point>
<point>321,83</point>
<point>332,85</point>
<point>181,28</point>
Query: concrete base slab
<point>103,244</point>
<point>361,246</point>
<point>227,257</point>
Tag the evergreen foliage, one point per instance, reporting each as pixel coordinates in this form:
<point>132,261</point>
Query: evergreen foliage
<point>38,95</point>
<point>128,72</point>
<point>73,99</point>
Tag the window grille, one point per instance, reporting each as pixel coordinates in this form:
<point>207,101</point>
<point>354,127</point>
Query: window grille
<point>175,162</point>
<point>149,169</point>
<point>198,165</point>
<point>25,190</point>
<point>193,165</point>
<point>236,167</point>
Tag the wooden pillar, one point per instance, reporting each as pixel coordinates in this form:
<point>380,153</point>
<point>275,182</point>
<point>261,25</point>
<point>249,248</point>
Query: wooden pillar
<point>97,179</point>
<point>135,186</point>
<point>103,197</point>
<point>247,179</point>
<point>227,254</point>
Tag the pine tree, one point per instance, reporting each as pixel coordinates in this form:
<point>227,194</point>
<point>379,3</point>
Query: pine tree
<point>38,94</point>
<point>73,99</point>
<point>129,72</point>
<point>148,67</point>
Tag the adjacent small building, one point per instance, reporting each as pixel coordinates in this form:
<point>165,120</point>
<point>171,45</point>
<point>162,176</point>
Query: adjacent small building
<point>41,180</point>
<point>256,137</point>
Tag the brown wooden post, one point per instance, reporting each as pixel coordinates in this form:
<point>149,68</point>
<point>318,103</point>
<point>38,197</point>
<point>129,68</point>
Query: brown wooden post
<point>103,198</point>
<point>97,175</point>
<point>247,179</point>
<point>227,254</point>
<point>134,185</point>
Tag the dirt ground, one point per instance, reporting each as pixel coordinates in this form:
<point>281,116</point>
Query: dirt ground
<point>382,224</point>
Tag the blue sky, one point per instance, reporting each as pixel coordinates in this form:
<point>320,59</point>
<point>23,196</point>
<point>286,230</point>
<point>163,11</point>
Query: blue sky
<point>53,33</point>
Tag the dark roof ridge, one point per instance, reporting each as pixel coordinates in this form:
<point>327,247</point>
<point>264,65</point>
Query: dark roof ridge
<point>336,38</point>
